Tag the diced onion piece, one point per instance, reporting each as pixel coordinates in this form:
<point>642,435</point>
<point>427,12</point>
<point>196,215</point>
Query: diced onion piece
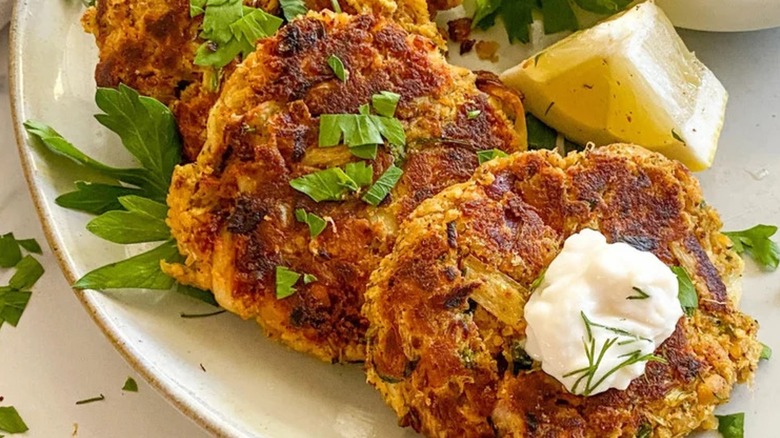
<point>498,293</point>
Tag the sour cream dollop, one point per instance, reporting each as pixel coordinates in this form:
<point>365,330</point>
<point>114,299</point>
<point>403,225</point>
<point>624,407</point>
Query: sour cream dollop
<point>600,298</point>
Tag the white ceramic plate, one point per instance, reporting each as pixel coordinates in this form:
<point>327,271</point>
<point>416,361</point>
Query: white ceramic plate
<point>254,387</point>
<point>723,15</point>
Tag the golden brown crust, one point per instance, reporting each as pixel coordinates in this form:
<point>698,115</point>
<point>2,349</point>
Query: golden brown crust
<point>232,211</point>
<point>150,46</point>
<point>445,364</point>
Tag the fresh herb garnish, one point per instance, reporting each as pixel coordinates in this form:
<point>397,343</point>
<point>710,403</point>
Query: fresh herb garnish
<point>487,155</point>
<point>588,374</point>
<point>201,315</point>
<point>538,280</point>
<point>336,6</point>
<point>473,114</point>
<point>230,29</point>
<point>293,8</point>
<point>95,198</point>
<point>360,172</point>
<point>362,132</point>
<point>285,280</point>
<point>337,65</point>
<point>130,385</point>
<point>309,278</point>
<point>644,431</point>
<point>689,299</point>
<point>10,421</point>
<point>385,103</point>
<point>731,426</point>
<point>540,136</point>
<point>383,186</point>
<point>330,184</point>
<point>27,271</point>
<point>143,220</point>
<point>558,15</point>
<point>766,352</point>
<point>101,397</point>
<point>640,294</point>
<point>756,242</point>
<point>316,224</point>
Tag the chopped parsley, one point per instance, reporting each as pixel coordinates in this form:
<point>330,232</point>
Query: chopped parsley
<point>309,278</point>
<point>130,385</point>
<point>540,136</point>
<point>385,103</point>
<point>766,352</point>
<point>383,186</point>
<point>337,65</point>
<point>487,155</point>
<point>286,280</point>
<point>689,299</point>
<point>360,172</point>
<point>756,242</point>
<point>316,224</point>
<point>293,8</point>
<point>558,15</point>
<point>638,295</point>
<point>473,114</point>
<point>27,271</point>
<point>331,184</point>
<point>10,421</point>
<point>732,426</point>
<point>101,397</point>
<point>230,29</point>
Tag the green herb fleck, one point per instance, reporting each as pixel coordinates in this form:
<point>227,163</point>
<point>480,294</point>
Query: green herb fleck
<point>10,421</point>
<point>293,8</point>
<point>130,385</point>
<point>732,426</point>
<point>285,280</point>
<point>385,103</point>
<point>473,114</point>
<point>689,299</point>
<point>28,271</point>
<point>383,186</point>
<point>538,280</point>
<point>10,251</point>
<point>360,172</point>
<point>644,431</point>
<point>756,242</point>
<point>540,136</point>
<point>766,352</point>
<point>677,136</point>
<point>640,294</point>
<point>201,315</point>
<point>101,397</point>
<point>336,6</point>
<point>487,155</point>
<point>337,65</point>
<point>331,184</point>
<point>316,224</point>
<point>309,278</point>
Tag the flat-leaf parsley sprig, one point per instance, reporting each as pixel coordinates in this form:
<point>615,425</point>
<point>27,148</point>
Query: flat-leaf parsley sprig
<point>756,242</point>
<point>131,204</point>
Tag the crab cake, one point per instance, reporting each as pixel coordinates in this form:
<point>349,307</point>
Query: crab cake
<point>150,45</point>
<point>446,306</point>
<point>233,212</point>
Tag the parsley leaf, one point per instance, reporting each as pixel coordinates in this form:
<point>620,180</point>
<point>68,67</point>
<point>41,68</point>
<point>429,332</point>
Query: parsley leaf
<point>30,245</point>
<point>331,184</point>
<point>689,299</point>
<point>28,272</point>
<point>199,294</point>
<point>10,421</point>
<point>385,103</point>
<point>53,141</point>
<point>604,7</point>
<point>337,65</point>
<point>766,352</point>
<point>293,8</point>
<point>130,385</point>
<point>232,29</point>
<point>144,221</point>
<point>12,304</point>
<point>316,224</point>
<point>540,136</point>
<point>101,397</point>
<point>383,186</point>
<point>10,254</point>
<point>95,198</point>
<point>285,280</point>
<point>147,129</point>
<point>360,172</point>
<point>487,155</point>
<point>309,278</point>
<point>197,7</point>
<point>473,114</point>
<point>732,426</point>
<point>141,271</point>
<point>558,16</point>
<point>755,241</point>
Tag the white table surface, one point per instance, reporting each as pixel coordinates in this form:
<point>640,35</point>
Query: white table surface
<point>57,355</point>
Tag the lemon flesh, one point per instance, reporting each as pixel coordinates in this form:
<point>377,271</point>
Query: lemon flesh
<point>628,79</point>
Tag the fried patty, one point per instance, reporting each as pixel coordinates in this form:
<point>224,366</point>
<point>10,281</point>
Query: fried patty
<point>232,212</point>
<point>150,46</point>
<point>450,367</point>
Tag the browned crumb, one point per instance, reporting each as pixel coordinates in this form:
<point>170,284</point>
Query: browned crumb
<point>459,30</point>
<point>466,46</point>
<point>487,50</point>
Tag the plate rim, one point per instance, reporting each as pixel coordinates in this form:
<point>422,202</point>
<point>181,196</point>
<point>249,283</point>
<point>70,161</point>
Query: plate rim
<point>187,406</point>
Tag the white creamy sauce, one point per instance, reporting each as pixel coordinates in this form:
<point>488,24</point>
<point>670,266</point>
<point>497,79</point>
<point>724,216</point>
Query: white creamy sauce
<point>629,299</point>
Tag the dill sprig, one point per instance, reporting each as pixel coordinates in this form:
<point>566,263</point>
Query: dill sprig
<point>588,373</point>
<point>640,294</point>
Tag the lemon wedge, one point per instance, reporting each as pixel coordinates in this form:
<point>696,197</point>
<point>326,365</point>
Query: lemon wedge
<point>628,79</point>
